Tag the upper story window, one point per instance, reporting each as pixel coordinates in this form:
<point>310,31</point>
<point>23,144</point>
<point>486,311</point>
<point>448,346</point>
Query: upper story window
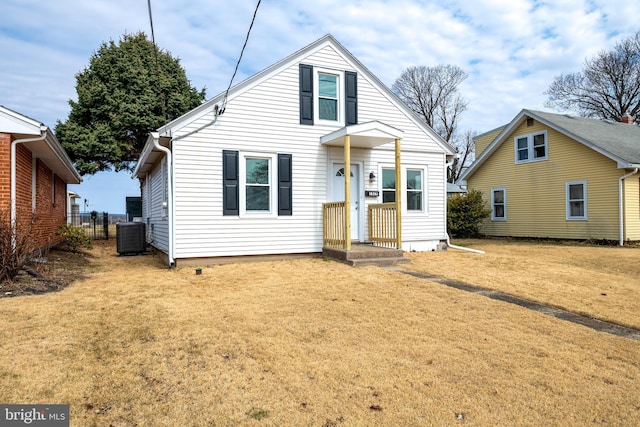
<point>327,97</point>
<point>531,148</point>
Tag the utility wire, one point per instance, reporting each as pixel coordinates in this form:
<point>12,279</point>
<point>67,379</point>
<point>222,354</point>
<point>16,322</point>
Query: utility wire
<point>224,101</point>
<point>155,54</point>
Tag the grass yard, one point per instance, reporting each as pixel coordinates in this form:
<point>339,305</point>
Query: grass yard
<point>598,281</point>
<point>314,343</point>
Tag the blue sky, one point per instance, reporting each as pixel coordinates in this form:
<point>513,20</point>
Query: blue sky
<point>511,49</point>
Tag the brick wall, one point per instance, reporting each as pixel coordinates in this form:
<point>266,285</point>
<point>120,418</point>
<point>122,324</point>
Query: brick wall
<point>50,192</point>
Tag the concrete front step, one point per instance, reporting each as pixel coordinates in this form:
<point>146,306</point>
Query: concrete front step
<point>366,255</point>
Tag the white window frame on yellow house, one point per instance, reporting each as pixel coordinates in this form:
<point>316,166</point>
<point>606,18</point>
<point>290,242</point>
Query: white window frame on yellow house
<point>531,148</point>
<point>582,200</point>
<point>494,217</point>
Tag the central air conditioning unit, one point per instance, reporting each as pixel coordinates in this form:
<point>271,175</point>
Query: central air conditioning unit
<point>130,238</point>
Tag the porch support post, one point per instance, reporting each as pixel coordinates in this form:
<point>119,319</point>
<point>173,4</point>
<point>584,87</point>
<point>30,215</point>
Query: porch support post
<point>347,192</point>
<point>398,197</point>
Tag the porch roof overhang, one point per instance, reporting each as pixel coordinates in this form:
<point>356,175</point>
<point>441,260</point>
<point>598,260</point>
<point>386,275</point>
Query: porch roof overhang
<point>365,135</point>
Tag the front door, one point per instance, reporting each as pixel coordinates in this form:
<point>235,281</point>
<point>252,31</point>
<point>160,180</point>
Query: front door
<point>338,194</point>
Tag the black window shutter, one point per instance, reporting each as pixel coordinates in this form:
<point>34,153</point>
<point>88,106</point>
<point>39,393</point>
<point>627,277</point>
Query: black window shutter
<point>285,194</point>
<point>230,187</point>
<point>306,94</point>
<point>351,98</point>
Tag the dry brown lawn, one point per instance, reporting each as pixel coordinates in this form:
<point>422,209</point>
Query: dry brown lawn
<point>316,343</point>
<point>598,281</point>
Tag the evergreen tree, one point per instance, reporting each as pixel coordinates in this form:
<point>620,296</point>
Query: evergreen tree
<point>129,89</point>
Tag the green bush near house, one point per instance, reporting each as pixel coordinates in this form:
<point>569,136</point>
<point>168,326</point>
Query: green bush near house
<point>76,237</point>
<point>465,214</point>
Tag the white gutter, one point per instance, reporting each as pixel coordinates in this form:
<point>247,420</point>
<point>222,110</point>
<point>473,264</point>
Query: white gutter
<point>14,144</point>
<point>156,144</point>
<point>621,204</point>
<point>446,232</point>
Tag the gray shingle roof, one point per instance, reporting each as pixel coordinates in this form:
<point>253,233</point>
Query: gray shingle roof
<point>620,141</point>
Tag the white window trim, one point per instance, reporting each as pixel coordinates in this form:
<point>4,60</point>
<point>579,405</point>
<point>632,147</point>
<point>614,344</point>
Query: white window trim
<point>568,202</point>
<point>403,184</point>
<point>380,174</point>
<point>504,197</point>
<point>316,96</point>
<point>530,147</point>
<point>273,184</point>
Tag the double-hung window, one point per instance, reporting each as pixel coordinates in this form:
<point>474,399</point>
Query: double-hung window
<point>327,97</point>
<point>388,185</point>
<point>414,190</point>
<point>531,148</point>
<point>576,200</point>
<point>258,184</point>
<point>498,204</point>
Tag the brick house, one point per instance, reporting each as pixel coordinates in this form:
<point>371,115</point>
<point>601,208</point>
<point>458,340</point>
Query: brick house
<point>34,173</point>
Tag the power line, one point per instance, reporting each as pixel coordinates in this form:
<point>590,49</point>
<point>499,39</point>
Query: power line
<point>155,54</point>
<point>224,101</point>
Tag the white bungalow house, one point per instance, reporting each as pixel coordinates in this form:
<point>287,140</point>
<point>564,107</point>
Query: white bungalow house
<point>291,161</point>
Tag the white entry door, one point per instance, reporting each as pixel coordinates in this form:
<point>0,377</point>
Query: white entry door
<point>338,194</point>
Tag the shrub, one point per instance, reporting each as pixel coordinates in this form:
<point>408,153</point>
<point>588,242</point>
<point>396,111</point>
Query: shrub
<point>465,214</point>
<point>17,242</point>
<point>76,237</point>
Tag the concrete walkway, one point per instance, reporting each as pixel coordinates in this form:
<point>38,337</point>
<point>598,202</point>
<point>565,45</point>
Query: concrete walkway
<point>590,322</point>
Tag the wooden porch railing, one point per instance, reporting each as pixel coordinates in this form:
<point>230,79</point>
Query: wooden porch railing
<point>333,233</point>
<point>382,225</point>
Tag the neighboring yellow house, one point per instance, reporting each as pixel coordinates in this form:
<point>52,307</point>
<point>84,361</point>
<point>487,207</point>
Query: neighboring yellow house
<point>556,176</point>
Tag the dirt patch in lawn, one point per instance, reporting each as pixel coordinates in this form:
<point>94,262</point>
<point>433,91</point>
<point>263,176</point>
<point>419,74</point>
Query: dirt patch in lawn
<point>54,270</point>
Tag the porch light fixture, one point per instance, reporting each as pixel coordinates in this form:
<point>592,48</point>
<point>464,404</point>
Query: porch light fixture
<point>372,176</point>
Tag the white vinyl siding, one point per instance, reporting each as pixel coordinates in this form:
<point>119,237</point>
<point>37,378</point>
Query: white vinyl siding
<point>264,120</point>
<point>158,223</point>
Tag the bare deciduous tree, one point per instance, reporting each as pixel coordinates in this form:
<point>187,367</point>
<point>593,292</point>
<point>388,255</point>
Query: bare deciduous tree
<point>608,87</point>
<point>432,93</point>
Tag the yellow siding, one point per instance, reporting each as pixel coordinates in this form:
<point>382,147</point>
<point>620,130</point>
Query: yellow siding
<point>632,208</point>
<point>483,141</point>
<point>536,191</point>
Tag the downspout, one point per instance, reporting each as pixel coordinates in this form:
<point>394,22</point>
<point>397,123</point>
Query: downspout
<point>156,144</point>
<point>14,202</point>
<point>621,204</point>
<point>446,231</point>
